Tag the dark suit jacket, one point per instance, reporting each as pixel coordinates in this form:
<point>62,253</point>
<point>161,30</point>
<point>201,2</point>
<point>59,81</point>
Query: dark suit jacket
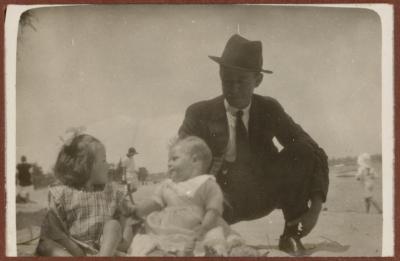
<point>208,120</point>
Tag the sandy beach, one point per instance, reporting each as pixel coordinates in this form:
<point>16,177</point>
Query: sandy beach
<point>344,229</point>
<point>131,75</point>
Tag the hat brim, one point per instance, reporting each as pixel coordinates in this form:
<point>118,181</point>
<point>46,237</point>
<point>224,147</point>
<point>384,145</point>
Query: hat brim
<point>221,62</point>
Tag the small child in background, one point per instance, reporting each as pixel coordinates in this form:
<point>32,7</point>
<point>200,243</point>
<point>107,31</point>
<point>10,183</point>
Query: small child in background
<point>185,213</point>
<point>85,210</point>
<point>367,175</point>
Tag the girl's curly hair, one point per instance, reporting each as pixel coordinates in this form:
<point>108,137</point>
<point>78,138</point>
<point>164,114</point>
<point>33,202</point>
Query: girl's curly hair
<point>75,161</point>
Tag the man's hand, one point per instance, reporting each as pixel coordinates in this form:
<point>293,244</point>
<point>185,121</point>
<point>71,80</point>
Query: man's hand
<point>309,219</point>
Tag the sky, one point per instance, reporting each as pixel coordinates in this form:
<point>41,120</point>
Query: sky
<point>128,72</point>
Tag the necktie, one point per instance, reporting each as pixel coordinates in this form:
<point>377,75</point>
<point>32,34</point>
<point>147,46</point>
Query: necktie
<point>243,154</point>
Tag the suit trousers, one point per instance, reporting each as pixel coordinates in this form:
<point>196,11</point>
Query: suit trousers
<point>253,191</point>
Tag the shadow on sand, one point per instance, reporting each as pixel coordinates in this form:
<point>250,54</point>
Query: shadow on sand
<point>327,245</point>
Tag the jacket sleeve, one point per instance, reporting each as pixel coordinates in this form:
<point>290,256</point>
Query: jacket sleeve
<point>289,134</point>
<point>191,124</point>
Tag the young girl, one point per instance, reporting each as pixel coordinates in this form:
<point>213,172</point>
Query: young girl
<point>84,208</point>
<point>367,175</point>
<point>185,211</point>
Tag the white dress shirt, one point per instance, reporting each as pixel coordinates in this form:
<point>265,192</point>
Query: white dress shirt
<point>230,154</point>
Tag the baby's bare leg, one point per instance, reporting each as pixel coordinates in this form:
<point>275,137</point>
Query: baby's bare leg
<point>112,235</point>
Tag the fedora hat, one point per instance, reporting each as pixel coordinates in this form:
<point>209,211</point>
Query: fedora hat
<point>242,54</point>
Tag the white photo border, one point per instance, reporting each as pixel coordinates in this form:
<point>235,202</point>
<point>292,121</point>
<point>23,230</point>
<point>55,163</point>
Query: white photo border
<point>385,12</point>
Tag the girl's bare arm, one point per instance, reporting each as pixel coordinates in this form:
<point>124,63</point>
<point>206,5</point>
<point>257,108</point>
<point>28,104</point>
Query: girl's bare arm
<point>54,240</point>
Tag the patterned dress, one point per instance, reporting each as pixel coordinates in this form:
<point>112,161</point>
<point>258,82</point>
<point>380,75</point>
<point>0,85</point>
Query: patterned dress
<point>84,213</point>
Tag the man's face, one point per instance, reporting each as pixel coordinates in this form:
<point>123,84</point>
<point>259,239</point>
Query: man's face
<point>238,86</point>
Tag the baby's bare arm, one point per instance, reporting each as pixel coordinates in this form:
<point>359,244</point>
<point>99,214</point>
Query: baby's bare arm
<point>210,220</point>
<point>146,207</point>
<point>213,199</point>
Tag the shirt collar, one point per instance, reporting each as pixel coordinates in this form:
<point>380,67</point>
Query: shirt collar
<point>232,110</point>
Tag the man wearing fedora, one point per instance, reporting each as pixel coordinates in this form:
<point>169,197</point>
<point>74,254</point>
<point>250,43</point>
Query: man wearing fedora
<point>239,127</point>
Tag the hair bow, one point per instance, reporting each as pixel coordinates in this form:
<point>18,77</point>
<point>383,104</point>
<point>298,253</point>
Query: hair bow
<point>71,133</point>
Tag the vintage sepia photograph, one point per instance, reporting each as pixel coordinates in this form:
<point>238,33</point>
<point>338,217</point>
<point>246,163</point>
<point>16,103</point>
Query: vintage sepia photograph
<point>248,130</point>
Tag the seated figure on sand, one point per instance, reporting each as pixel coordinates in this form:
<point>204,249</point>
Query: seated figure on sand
<point>86,211</point>
<point>184,216</point>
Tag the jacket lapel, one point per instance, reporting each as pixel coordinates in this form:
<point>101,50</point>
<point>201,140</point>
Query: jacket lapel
<point>218,126</point>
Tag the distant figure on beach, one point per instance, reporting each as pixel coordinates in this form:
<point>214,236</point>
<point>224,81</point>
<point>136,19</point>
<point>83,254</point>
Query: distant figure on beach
<point>367,175</point>
<point>24,181</point>
<point>143,173</point>
<point>130,173</point>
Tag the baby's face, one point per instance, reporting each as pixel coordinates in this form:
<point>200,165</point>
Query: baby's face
<point>180,164</point>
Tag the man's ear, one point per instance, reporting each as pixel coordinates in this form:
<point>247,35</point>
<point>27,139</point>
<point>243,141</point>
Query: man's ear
<point>259,78</point>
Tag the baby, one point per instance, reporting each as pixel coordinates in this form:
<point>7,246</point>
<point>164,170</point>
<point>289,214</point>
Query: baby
<point>184,216</point>
<point>85,210</point>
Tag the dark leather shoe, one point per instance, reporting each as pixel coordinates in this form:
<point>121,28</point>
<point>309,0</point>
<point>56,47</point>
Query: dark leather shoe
<point>291,245</point>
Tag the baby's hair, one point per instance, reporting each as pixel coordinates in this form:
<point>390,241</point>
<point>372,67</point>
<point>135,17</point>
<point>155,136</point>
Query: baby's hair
<point>75,161</point>
<point>195,145</point>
